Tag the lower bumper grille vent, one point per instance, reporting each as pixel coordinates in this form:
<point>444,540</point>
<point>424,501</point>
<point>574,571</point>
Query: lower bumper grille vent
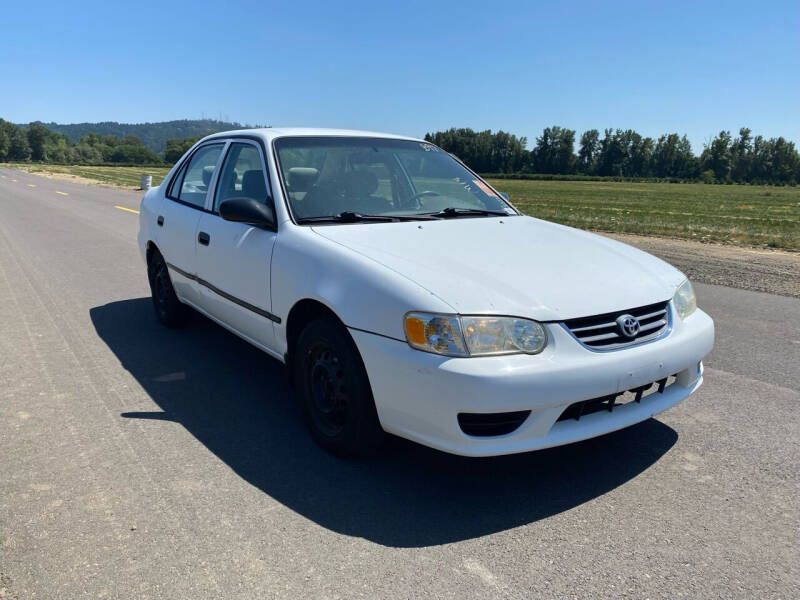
<point>490,424</point>
<point>608,403</point>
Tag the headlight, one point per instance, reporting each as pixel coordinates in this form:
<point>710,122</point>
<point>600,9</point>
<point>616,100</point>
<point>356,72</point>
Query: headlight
<point>684,300</point>
<point>440,334</point>
<point>452,335</point>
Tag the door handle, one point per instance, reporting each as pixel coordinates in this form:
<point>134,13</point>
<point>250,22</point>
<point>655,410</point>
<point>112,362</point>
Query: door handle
<point>203,238</point>
<point>160,221</point>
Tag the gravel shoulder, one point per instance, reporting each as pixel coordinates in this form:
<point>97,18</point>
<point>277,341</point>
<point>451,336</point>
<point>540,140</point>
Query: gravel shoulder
<point>754,269</point>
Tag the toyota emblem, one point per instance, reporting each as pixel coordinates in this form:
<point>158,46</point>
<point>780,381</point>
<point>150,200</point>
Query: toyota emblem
<point>628,325</point>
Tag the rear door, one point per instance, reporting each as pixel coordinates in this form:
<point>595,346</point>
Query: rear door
<point>180,214</point>
<point>233,259</point>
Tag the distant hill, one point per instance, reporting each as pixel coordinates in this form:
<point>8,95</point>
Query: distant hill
<point>153,135</point>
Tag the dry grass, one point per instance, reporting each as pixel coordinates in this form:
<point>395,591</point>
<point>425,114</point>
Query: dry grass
<point>124,177</point>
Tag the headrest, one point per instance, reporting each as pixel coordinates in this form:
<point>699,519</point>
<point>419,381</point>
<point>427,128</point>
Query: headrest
<point>253,185</point>
<point>302,178</point>
<point>207,173</point>
<point>361,183</point>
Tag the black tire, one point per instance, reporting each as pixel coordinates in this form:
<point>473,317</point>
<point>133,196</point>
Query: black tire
<point>170,311</point>
<point>333,391</point>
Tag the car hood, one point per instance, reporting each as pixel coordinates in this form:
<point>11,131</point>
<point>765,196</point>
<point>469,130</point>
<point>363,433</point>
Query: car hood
<point>513,265</point>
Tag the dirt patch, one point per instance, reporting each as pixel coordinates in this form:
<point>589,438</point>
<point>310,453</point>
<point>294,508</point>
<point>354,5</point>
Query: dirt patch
<point>6,593</point>
<point>759,270</point>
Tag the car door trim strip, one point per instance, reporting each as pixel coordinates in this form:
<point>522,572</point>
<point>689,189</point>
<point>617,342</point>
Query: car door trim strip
<point>226,295</point>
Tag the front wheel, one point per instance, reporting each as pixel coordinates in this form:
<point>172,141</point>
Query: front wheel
<point>333,390</point>
<point>169,310</point>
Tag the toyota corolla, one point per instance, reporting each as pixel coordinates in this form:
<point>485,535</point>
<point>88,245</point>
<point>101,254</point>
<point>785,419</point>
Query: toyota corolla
<point>406,295</point>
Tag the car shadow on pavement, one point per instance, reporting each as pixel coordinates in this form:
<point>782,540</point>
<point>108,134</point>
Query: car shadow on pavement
<point>235,400</point>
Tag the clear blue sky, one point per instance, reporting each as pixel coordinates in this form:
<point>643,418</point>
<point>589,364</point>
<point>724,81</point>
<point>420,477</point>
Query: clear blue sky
<point>409,67</point>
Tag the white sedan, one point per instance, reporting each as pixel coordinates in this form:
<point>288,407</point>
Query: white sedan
<point>406,295</point>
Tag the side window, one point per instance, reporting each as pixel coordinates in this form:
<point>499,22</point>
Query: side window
<point>197,177</point>
<point>175,184</point>
<point>242,175</point>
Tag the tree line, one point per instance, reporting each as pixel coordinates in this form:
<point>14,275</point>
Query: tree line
<point>35,142</point>
<point>627,154</point>
<point>616,153</point>
<point>153,135</point>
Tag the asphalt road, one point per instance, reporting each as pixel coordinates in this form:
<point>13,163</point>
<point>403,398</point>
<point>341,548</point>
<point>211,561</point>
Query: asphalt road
<point>138,462</point>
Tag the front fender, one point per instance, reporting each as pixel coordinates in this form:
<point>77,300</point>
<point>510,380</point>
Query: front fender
<point>363,293</point>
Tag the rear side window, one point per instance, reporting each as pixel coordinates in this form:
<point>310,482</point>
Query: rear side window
<point>242,175</point>
<point>191,186</point>
<point>175,184</point>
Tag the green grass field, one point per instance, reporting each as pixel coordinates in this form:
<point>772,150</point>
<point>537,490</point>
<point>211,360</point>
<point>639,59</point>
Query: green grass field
<point>762,216</point>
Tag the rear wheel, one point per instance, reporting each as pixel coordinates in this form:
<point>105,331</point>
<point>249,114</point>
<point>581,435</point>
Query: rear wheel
<point>169,310</point>
<point>333,390</point>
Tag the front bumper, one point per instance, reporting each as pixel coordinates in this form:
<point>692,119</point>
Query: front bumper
<point>419,395</point>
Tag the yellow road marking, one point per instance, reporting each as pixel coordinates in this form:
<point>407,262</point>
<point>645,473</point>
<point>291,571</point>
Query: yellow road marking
<point>14,180</point>
<point>136,212</point>
<point>62,193</point>
<point>31,185</point>
<point>3,176</point>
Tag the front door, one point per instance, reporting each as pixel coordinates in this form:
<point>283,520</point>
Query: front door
<point>233,259</point>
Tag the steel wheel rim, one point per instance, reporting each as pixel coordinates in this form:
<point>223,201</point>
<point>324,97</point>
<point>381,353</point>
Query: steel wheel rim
<point>327,389</point>
<point>161,286</point>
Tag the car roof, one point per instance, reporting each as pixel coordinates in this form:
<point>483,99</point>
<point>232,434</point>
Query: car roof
<point>270,133</point>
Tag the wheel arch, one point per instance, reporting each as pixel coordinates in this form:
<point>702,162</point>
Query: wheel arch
<point>150,249</point>
<point>302,313</point>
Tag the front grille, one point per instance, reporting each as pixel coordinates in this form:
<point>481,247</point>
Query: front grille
<point>489,424</point>
<point>601,332</point>
<point>612,401</point>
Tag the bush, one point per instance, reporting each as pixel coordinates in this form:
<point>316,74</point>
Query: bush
<point>130,153</point>
<point>708,176</point>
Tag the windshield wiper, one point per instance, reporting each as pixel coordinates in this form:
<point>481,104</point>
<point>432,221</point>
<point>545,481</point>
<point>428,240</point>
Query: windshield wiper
<point>354,217</point>
<point>346,217</point>
<point>452,212</point>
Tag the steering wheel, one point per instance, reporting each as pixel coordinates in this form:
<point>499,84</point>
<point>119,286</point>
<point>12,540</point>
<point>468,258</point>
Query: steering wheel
<point>425,194</point>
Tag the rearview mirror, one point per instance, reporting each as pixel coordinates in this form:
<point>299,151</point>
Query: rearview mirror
<point>247,210</point>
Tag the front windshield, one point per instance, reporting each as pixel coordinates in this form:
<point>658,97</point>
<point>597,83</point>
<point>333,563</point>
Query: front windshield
<point>328,176</point>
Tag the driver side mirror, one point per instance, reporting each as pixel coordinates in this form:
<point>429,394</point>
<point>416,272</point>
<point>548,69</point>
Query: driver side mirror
<point>249,211</point>
<point>504,196</point>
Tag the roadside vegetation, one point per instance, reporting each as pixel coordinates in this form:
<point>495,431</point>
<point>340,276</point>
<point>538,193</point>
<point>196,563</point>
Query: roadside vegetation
<point>625,154</point>
<point>617,182</point>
